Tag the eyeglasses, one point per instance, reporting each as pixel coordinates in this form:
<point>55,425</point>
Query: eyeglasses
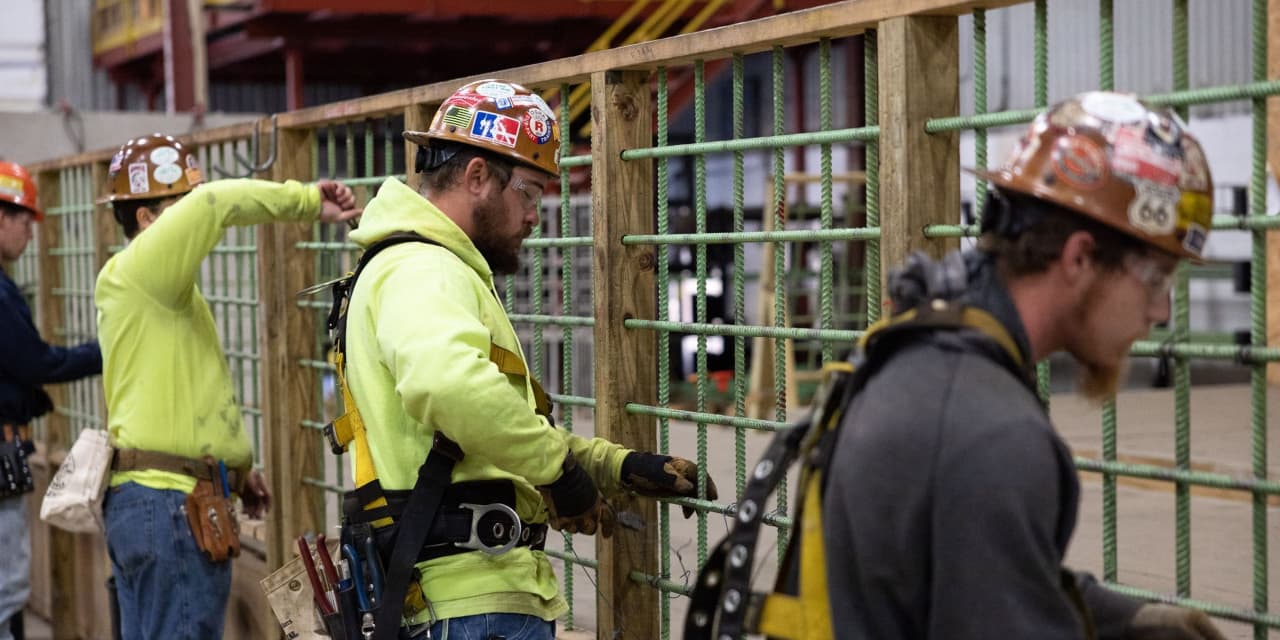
<point>531,193</point>
<point>1157,276</point>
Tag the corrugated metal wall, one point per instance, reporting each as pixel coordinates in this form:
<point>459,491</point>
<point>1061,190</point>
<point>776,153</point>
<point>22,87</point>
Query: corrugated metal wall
<point>1219,50</point>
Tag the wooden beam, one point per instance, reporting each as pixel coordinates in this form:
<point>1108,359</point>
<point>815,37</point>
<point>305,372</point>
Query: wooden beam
<point>417,117</point>
<point>288,336</point>
<point>624,284</point>
<point>1273,160</point>
<point>920,172</point>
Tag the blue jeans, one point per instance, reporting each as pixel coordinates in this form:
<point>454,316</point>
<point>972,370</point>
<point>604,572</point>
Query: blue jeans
<point>166,587</point>
<point>491,626</point>
<point>15,563</point>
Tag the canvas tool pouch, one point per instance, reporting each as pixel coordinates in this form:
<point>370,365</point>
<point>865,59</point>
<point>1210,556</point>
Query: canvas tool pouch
<point>212,519</point>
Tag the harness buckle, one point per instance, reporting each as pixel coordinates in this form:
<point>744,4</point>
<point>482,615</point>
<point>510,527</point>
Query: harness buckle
<point>498,530</point>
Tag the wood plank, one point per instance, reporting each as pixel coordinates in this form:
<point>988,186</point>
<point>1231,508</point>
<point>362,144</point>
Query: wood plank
<point>417,117</point>
<point>287,336</point>
<point>205,136</point>
<point>626,360</point>
<point>920,172</point>
<point>1273,162</point>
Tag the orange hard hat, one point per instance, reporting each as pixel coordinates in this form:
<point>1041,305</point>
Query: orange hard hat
<point>501,117</point>
<point>153,166</point>
<point>17,187</point>
<point>1124,163</point>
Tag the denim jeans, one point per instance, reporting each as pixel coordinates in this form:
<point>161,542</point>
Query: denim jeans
<point>15,563</point>
<point>166,587</point>
<point>491,626</point>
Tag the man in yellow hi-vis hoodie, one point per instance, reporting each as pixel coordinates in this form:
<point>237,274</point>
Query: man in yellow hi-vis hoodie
<point>423,326</point>
<point>170,406</point>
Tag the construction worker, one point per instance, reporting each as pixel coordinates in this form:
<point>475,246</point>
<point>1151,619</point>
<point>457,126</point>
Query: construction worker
<point>951,496</point>
<point>26,363</point>
<point>172,415</point>
<point>435,369</point>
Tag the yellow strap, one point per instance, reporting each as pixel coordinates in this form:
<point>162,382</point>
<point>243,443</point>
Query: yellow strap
<point>351,423</point>
<point>807,616</point>
<point>971,317</point>
<point>512,364</point>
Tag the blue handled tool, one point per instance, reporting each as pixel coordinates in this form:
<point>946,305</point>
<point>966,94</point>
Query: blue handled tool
<point>222,472</point>
<point>375,571</point>
<point>357,576</point>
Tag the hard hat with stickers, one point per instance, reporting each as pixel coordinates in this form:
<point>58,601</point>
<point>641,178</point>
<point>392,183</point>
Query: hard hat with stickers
<point>1126,164</point>
<point>501,117</point>
<point>149,167</point>
<point>17,188</point>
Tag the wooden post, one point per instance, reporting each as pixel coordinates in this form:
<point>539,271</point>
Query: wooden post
<point>761,398</point>
<point>291,451</point>
<point>919,172</point>
<point>417,117</point>
<point>622,195</point>
<point>61,545</point>
<point>1273,162</point>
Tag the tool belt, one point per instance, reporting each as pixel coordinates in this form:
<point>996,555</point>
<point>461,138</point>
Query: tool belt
<point>140,460</point>
<point>473,516</point>
<point>209,511</point>
<point>15,473</point>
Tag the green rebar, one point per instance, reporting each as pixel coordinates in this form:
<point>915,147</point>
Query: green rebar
<point>979,107</point>
<point>700,299</point>
<point>1110,557</point>
<point>566,414</point>
<point>739,285</point>
<point>1257,315</point>
<point>774,142</point>
<point>798,235</point>
<point>779,269</point>
<point>1260,486</point>
<point>667,413</point>
<point>664,341</point>
<point>1244,354</point>
<point>1258,619</point>
<point>871,107</point>
<point>827,215</point>
<point>1042,100</point>
<point>1181,332</point>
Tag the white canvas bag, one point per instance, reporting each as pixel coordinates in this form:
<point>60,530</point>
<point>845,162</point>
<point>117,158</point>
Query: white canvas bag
<point>74,499</point>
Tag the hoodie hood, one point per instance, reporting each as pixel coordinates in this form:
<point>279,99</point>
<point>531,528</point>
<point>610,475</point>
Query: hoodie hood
<point>969,277</point>
<point>399,208</point>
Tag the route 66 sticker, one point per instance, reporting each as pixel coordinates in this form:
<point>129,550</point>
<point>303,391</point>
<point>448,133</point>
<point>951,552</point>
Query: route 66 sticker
<point>1154,208</point>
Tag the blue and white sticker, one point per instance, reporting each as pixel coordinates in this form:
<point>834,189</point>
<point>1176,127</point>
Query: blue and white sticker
<point>503,103</point>
<point>495,128</point>
<point>538,125</point>
<point>167,173</point>
<point>164,155</point>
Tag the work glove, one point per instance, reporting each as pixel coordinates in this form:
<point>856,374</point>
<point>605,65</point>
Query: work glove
<point>659,476</point>
<point>574,504</point>
<point>1167,622</point>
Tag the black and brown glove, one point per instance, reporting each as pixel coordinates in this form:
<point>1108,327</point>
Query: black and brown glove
<point>574,504</point>
<point>660,476</point>
<point>1167,622</point>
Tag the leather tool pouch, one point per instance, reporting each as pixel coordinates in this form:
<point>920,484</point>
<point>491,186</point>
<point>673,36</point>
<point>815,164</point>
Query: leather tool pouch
<point>212,519</point>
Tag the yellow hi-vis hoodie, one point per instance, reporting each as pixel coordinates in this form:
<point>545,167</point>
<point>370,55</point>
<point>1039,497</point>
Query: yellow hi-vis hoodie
<point>419,327</point>
<point>168,387</point>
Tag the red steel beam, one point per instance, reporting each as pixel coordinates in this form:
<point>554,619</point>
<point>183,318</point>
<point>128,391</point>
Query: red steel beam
<point>525,9</point>
<point>179,60</point>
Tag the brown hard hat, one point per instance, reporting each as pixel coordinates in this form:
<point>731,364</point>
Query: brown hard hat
<point>17,187</point>
<point>1124,163</point>
<point>148,167</point>
<point>501,117</point>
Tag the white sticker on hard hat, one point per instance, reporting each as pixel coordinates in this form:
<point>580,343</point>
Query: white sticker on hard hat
<point>542,104</point>
<point>1154,209</point>
<point>164,155</point>
<point>116,161</point>
<point>537,125</point>
<point>192,163</point>
<point>496,90</point>
<point>1195,239</point>
<point>167,173</point>
<point>138,182</point>
<point>1195,169</point>
<point>1114,107</point>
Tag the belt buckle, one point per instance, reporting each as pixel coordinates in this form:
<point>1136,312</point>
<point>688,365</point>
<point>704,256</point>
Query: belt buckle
<point>478,512</point>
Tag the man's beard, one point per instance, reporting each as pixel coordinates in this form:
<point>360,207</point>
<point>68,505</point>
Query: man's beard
<point>1098,382</point>
<point>502,253</point>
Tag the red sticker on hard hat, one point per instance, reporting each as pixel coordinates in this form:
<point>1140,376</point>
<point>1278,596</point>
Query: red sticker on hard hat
<point>1080,162</point>
<point>116,161</point>
<point>495,128</point>
<point>1134,157</point>
<point>464,100</point>
<point>138,182</point>
<point>537,125</point>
